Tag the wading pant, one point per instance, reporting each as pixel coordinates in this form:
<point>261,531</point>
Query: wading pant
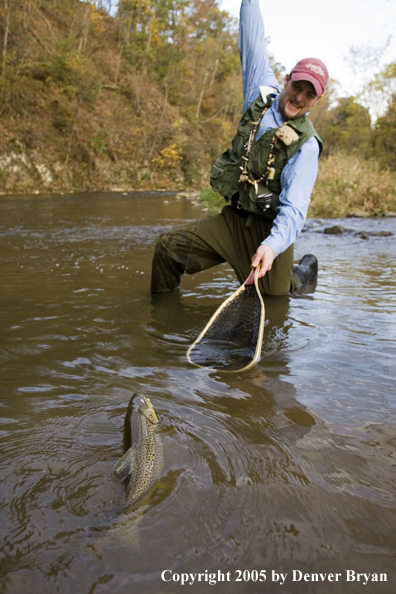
<point>214,240</point>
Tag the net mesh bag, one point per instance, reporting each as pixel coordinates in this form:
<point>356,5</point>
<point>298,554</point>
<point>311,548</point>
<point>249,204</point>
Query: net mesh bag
<point>231,341</point>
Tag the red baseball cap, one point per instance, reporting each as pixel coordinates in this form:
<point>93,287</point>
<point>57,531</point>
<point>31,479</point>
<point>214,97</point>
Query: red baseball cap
<point>312,70</point>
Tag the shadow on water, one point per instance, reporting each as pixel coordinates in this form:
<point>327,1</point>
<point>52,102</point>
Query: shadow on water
<point>288,466</point>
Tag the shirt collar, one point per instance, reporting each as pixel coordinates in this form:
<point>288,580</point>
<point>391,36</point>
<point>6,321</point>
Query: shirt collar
<point>277,115</point>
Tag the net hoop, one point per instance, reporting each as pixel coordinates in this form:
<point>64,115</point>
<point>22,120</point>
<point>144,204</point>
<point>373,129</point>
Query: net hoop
<point>257,353</point>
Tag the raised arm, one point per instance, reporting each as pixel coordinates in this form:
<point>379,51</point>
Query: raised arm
<point>256,69</point>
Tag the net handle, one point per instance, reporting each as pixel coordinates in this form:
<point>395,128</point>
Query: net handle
<point>262,320</point>
<point>255,274</point>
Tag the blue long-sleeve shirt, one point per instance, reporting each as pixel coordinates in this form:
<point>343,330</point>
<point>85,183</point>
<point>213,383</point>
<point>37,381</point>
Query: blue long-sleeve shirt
<point>299,175</point>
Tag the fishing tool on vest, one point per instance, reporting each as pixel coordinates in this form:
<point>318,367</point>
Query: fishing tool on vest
<point>232,339</point>
<point>264,201</point>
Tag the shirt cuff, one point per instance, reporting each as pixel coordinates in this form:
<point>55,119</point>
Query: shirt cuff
<point>274,244</point>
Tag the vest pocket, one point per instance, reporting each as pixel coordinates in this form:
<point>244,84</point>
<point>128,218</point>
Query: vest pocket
<point>225,173</point>
<point>259,207</point>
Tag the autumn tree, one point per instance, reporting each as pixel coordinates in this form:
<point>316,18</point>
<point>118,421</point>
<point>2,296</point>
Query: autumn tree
<point>347,127</point>
<point>385,128</point>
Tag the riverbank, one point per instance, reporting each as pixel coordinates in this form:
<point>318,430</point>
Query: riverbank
<point>346,184</point>
<point>95,102</point>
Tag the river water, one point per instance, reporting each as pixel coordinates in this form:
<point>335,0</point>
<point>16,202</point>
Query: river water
<point>288,468</point>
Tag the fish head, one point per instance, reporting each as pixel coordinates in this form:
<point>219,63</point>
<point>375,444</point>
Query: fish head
<point>143,406</point>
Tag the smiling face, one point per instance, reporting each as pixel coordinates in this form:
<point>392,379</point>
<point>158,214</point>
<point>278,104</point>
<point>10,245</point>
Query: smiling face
<point>297,98</point>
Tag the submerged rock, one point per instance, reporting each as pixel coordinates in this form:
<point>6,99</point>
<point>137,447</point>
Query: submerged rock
<point>378,233</point>
<point>335,230</point>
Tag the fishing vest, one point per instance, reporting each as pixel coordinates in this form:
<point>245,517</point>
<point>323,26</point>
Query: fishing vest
<point>249,173</point>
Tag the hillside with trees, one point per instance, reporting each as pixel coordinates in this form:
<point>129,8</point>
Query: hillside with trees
<point>145,98</point>
<point>143,95</point>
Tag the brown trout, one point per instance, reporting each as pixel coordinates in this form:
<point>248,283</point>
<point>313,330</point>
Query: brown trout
<point>141,465</point>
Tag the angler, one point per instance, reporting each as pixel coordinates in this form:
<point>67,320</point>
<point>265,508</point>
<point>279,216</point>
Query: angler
<point>266,178</point>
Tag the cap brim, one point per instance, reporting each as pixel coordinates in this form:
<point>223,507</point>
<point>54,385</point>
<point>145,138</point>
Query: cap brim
<point>306,76</point>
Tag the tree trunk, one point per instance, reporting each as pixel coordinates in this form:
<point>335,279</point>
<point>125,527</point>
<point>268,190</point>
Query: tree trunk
<point>84,29</point>
<point>7,4</point>
<point>201,96</point>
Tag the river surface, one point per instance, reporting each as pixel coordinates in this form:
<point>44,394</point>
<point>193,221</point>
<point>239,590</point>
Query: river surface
<point>288,468</point>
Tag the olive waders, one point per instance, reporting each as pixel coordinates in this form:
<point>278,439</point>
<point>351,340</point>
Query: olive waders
<point>224,238</point>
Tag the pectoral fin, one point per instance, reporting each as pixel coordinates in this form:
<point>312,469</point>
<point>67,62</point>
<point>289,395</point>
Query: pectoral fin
<point>123,468</point>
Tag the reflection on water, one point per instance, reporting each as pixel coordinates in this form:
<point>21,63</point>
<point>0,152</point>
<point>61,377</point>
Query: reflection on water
<point>289,466</point>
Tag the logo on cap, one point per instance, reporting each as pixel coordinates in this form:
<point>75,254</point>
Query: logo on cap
<point>316,69</point>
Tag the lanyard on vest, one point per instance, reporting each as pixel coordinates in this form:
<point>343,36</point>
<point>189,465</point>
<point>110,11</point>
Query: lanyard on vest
<point>264,200</point>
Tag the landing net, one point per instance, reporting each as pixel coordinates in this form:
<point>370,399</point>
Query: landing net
<point>232,339</point>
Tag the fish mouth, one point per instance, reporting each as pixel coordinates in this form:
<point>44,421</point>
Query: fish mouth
<point>143,406</point>
<point>154,420</point>
<point>150,414</point>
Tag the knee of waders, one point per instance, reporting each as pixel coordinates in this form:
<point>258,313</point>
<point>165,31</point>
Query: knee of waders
<point>166,271</point>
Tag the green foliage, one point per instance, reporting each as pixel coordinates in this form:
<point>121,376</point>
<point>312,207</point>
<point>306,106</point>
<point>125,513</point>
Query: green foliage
<point>385,128</point>
<point>191,164</point>
<point>386,137</point>
<point>62,116</point>
<point>99,143</point>
<point>346,127</point>
<point>60,64</point>
<point>213,201</point>
<point>72,72</point>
